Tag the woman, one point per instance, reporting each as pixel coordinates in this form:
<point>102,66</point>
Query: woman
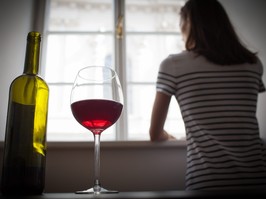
<point>216,82</point>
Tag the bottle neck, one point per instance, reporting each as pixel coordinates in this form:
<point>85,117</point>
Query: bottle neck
<point>31,65</point>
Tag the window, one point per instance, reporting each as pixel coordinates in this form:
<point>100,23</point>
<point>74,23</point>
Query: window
<point>85,32</point>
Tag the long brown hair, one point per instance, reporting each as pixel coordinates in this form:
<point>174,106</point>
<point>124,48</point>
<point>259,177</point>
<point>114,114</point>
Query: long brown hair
<point>212,35</point>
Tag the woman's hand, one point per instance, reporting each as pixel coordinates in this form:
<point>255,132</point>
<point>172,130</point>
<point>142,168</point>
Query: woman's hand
<point>164,136</point>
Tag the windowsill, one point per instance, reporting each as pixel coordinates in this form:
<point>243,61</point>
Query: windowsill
<point>116,144</point>
<point>119,144</point>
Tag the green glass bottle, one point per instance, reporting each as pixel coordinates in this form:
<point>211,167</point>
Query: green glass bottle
<point>23,171</point>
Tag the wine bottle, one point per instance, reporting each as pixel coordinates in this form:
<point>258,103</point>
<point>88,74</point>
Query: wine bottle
<point>23,171</point>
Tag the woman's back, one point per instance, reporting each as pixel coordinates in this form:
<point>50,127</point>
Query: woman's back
<point>218,105</point>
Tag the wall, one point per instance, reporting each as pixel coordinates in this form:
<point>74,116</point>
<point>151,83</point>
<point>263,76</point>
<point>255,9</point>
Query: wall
<point>125,166</point>
<point>15,21</point>
<point>129,165</point>
<point>248,18</point>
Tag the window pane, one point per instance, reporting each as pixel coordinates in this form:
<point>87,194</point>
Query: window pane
<point>145,53</point>
<point>140,101</point>
<point>155,16</point>
<point>81,15</point>
<point>77,36</point>
<point>66,54</point>
<point>147,44</point>
<point>174,123</point>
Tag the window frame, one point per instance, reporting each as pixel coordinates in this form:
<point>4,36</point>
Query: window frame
<point>41,23</point>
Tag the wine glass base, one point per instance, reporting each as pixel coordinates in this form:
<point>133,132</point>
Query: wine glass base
<point>91,190</point>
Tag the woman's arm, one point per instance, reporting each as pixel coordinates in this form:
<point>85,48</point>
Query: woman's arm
<point>158,117</point>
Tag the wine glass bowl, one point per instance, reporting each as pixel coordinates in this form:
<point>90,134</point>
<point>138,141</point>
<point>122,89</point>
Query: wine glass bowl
<point>96,103</point>
<point>97,82</point>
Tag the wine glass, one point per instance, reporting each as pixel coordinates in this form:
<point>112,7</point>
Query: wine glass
<point>96,103</point>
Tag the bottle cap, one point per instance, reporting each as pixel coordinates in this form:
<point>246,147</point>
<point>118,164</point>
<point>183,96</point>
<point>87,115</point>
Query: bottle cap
<point>34,36</point>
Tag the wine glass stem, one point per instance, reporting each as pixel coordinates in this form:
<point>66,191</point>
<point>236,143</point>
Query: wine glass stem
<point>97,185</point>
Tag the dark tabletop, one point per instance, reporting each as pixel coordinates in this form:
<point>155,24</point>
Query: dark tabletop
<point>150,195</point>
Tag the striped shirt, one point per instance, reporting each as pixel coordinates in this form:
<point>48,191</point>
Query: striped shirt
<point>218,106</point>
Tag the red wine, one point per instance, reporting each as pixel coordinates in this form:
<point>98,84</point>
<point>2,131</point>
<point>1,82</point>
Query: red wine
<point>96,114</point>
